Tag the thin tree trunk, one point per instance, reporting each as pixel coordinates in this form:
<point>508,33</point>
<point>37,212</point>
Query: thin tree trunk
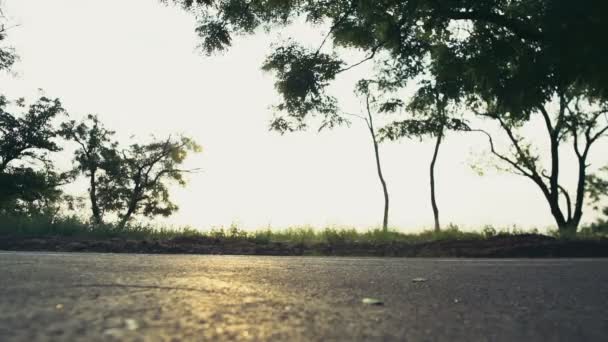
<point>571,226</point>
<point>432,172</point>
<point>370,124</point>
<point>93,196</point>
<point>384,187</point>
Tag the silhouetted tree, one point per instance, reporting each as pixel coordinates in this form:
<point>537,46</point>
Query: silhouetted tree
<point>566,125</point>
<point>96,157</point>
<point>364,89</point>
<point>27,178</point>
<point>139,184</point>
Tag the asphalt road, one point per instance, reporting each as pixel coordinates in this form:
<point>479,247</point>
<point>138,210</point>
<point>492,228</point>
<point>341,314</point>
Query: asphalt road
<point>104,297</point>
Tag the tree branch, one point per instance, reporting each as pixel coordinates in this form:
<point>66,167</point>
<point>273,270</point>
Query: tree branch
<point>527,162</point>
<point>369,57</point>
<point>566,196</point>
<point>501,156</point>
<point>598,134</point>
<point>531,174</point>
<point>547,120</point>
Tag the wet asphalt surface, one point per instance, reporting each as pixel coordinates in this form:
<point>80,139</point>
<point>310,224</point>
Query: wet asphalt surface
<point>106,297</point>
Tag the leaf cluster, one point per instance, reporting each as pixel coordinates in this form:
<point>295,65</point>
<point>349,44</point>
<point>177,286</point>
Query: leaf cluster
<point>27,177</point>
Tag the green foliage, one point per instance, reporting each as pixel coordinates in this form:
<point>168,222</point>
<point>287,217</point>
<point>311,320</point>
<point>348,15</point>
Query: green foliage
<point>332,235</point>
<point>428,108</point>
<point>97,158</point>
<point>597,190</point>
<point>301,77</point>
<point>57,225</point>
<point>7,58</point>
<point>416,128</point>
<point>53,225</point>
<point>29,135</point>
<point>26,191</point>
<point>127,181</point>
<point>232,233</point>
<point>138,185</point>
<point>96,148</point>
<point>598,229</point>
<point>28,182</point>
<point>7,54</point>
<point>521,50</point>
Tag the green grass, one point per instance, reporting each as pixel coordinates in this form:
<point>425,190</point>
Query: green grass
<point>306,235</point>
<point>311,235</point>
<point>72,226</point>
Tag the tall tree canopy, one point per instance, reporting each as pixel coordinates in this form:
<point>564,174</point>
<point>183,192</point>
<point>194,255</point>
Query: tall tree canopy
<point>549,42</point>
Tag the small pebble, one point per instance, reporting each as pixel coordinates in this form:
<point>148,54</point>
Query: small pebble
<point>372,301</point>
<point>131,324</point>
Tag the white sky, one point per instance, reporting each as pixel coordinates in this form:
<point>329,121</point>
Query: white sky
<point>135,64</point>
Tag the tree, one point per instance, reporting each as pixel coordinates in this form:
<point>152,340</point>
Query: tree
<point>127,181</point>
<point>516,57</point>
<point>139,183</point>
<point>96,158</point>
<point>363,88</point>
<point>566,125</point>
<point>27,178</point>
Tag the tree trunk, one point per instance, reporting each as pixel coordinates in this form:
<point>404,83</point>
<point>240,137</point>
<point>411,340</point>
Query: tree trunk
<point>580,191</point>
<point>134,199</point>
<point>125,218</point>
<point>384,188</point>
<point>570,226</point>
<point>432,172</point>
<point>130,210</point>
<point>370,124</point>
<point>97,219</point>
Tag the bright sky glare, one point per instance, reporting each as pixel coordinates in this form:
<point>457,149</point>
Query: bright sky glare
<point>135,64</point>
